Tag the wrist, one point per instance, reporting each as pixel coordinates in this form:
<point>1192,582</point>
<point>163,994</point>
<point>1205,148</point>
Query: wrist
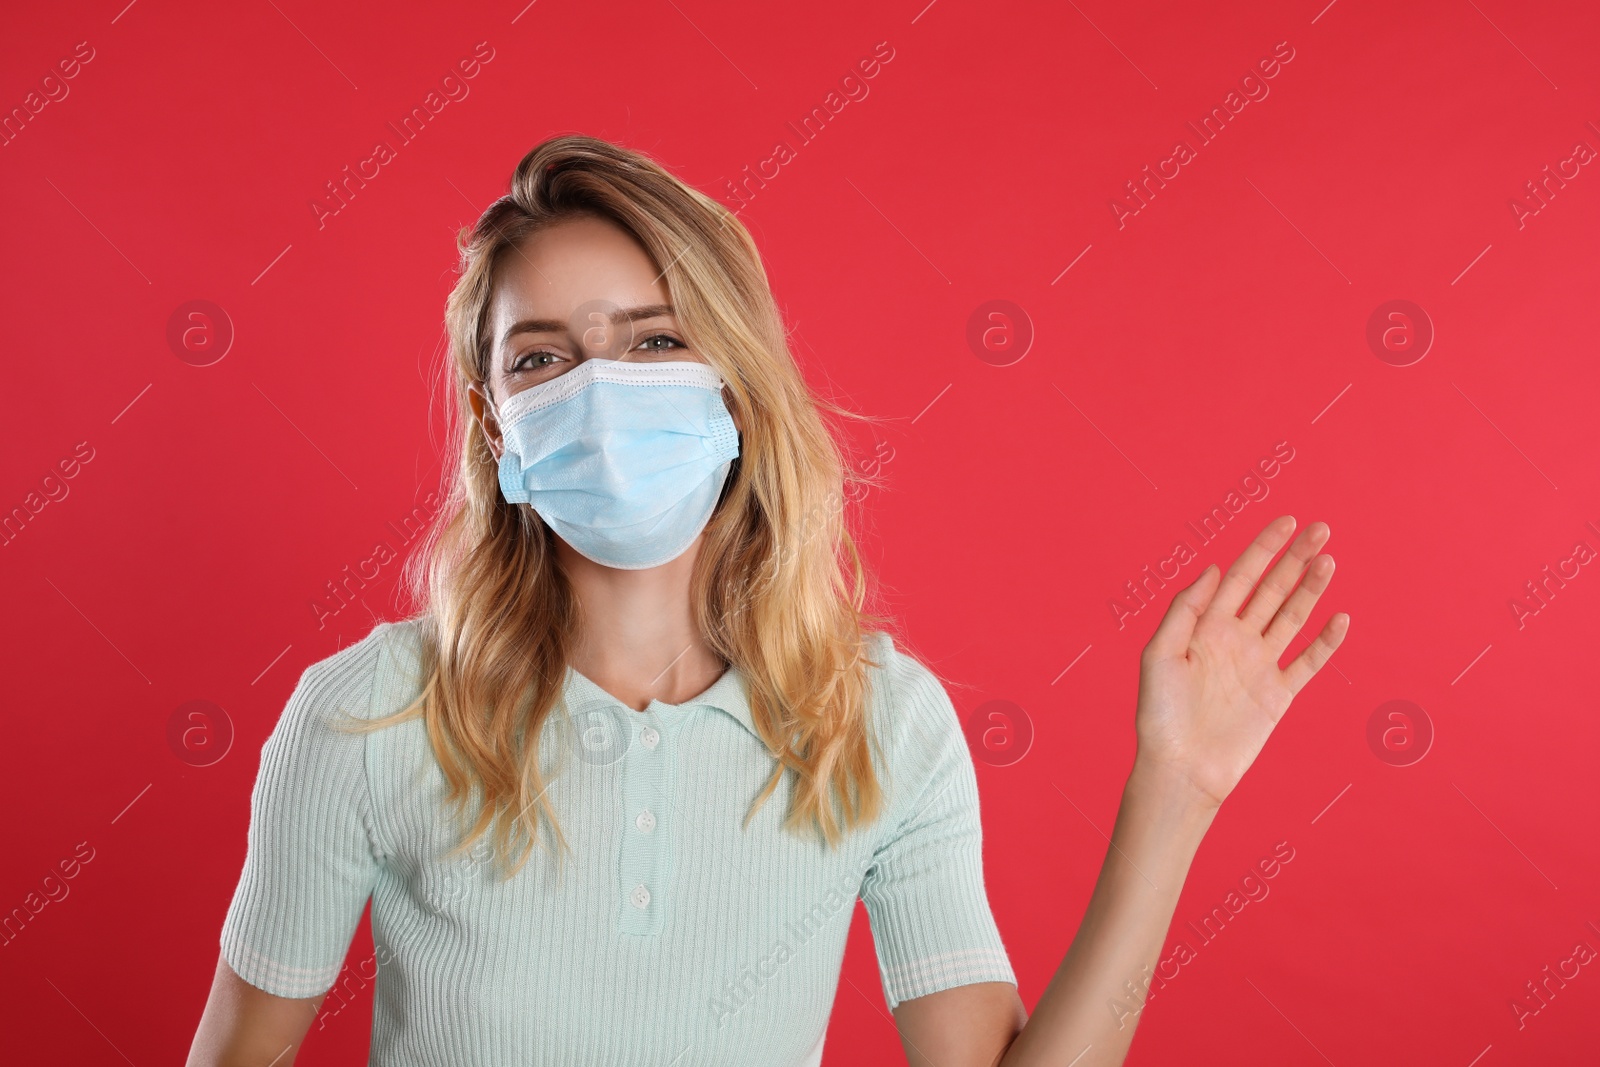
<point>1168,795</point>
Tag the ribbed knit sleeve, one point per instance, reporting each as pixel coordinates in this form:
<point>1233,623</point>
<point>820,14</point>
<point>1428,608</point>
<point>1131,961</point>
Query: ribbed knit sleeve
<point>310,864</point>
<point>924,892</point>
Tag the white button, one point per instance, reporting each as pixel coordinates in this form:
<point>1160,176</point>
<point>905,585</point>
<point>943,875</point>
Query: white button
<point>646,820</point>
<point>649,736</point>
<point>640,897</point>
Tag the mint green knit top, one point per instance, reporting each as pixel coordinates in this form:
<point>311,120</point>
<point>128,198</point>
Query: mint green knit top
<point>669,935</point>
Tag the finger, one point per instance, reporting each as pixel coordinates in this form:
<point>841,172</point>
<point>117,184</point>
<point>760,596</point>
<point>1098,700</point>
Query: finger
<point>1177,626</point>
<point>1297,609</point>
<point>1309,662</point>
<point>1246,570</point>
<point>1280,580</point>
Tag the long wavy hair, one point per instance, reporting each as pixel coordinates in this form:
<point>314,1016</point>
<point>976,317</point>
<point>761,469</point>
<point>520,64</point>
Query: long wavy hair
<point>779,588</point>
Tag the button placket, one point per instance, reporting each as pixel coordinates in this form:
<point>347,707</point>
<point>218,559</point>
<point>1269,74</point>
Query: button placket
<point>644,872</point>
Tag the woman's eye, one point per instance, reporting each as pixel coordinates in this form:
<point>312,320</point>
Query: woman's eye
<point>529,360</point>
<point>648,343</point>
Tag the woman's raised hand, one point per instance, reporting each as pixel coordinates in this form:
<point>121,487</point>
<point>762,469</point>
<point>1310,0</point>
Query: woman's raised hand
<point>1210,689</point>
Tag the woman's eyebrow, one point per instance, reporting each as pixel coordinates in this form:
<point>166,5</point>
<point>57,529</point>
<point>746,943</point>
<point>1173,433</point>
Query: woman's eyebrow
<point>635,314</point>
<point>648,311</point>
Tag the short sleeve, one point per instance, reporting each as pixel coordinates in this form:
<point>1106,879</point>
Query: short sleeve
<point>924,892</point>
<point>310,865</point>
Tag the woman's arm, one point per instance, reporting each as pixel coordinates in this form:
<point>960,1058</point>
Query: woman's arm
<point>1210,693</point>
<point>1156,835</point>
<point>242,1026</point>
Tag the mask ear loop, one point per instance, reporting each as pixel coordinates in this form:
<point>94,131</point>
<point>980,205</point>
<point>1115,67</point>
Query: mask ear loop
<point>738,461</point>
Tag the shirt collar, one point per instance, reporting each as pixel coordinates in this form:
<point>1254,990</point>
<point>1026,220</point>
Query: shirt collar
<point>728,694</point>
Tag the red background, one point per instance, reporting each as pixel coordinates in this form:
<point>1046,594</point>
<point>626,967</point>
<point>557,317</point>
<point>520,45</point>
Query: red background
<point>1228,315</point>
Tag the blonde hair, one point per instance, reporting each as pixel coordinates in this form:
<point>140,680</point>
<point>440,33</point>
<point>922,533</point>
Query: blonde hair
<point>778,590</point>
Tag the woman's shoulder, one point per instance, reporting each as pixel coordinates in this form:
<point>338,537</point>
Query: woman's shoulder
<point>320,732</point>
<point>901,679</point>
<point>376,675</point>
<point>912,715</point>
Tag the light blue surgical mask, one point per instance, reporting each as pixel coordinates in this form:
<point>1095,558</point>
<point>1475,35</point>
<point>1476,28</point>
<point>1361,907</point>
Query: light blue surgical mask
<point>624,460</point>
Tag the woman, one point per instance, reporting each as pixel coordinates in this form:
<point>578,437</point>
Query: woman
<point>614,791</point>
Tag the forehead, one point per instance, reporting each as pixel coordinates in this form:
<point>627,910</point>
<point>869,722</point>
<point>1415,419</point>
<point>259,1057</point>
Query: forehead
<point>568,264</point>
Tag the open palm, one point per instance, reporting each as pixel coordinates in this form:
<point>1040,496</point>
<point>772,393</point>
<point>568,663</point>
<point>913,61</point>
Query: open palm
<point>1210,689</point>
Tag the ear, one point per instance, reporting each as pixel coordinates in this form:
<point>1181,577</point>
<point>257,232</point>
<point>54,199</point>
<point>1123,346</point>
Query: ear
<point>738,423</point>
<point>483,409</point>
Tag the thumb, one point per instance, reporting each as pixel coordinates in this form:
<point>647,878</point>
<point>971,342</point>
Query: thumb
<point>1177,626</point>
